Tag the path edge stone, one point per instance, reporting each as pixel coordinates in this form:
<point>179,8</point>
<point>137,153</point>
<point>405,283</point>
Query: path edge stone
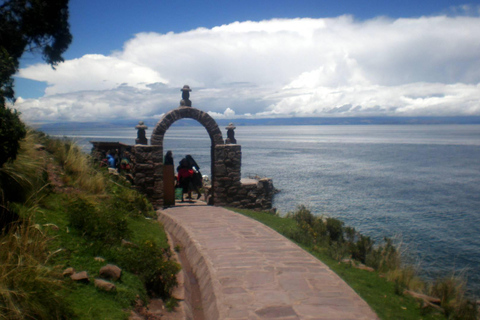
<point>202,268</point>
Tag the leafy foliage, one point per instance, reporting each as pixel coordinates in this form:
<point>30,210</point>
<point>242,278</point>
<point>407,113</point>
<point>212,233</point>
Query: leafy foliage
<point>152,264</point>
<point>12,130</point>
<point>31,25</point>
<point>98,223</point>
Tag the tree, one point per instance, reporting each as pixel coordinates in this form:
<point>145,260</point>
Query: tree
<point>33,26</point>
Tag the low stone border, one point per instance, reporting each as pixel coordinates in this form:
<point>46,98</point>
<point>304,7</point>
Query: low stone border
<point>209,287</point>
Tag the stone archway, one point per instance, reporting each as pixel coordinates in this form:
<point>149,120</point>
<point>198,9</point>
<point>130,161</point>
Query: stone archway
<point>204,119</point>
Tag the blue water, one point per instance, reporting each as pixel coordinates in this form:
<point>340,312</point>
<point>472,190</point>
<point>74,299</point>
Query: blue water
<point>420,184</point>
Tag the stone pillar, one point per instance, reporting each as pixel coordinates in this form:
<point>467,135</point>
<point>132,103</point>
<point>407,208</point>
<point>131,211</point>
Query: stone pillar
<point>230,134</point>
<point>148,172</point>
<point>141,137</point>
<point>228,162</point>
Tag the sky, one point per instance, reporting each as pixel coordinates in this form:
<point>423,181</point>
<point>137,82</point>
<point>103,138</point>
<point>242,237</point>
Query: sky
<point>259,59</point>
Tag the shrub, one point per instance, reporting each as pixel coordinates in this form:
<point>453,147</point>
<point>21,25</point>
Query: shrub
<point>130,201</point>
<point>98,223</point>
<point>12,131</point>
<point>451,291</point>
<point>303,215</point>
<point>335,229</point>
<point>362,248</point>
<point>150,263</point>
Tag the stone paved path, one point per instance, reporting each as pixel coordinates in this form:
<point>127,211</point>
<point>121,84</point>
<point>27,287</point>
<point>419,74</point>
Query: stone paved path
<point>248,271</point>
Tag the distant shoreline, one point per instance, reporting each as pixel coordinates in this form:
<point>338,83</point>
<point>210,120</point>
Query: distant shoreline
<point>463,120</point>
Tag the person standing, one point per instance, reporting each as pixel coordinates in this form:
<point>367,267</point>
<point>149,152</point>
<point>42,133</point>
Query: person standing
<point>169,180</point>
<point>168,158</point>
<point>185,174</point>
<point>197,182</point>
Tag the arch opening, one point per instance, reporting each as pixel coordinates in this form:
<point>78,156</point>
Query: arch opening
<point>158,136</point>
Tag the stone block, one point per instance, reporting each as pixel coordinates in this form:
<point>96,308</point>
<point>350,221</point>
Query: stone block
<point>220,170</point>
<point>80,277</point>
<point>110,271</point>
<point>104,285</point>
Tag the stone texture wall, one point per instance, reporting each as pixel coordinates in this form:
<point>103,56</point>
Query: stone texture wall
<point>148,172</point>
<point>255,194</point>
<point>186,112</point>
<point>231,190</point>
<point>228,162</point>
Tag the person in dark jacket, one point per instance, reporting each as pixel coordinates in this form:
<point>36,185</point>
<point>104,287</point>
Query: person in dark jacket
<point>184,175</point>
<point>197,182</point>
<point>168,158</point>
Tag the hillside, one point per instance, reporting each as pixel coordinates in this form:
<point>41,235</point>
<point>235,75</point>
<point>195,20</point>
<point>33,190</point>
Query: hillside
<point>70,225</point>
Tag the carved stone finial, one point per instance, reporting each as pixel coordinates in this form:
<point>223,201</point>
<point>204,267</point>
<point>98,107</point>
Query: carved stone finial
<point>230,134</point>
<point>185,102</point>
<point>141,138</point>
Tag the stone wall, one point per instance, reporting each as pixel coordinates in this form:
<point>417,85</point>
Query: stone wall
<point>255,194</point>
<point>100,149</point>
<point>147,172</point>
<point>228,162</point>
<point>231,190</point>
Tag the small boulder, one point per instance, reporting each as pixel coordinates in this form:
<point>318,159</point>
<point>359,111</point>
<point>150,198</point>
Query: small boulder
<point>110,271</point>
<point>99,259</point>
<point>104,285</point>
<point>68,272</point>
<point>80,277</point>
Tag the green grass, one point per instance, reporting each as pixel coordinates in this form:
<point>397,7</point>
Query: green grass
<point>81,226</point>
<point>78,252</point>
<point>371,286</point>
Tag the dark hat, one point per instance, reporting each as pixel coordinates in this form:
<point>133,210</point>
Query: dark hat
<point>186,88</point>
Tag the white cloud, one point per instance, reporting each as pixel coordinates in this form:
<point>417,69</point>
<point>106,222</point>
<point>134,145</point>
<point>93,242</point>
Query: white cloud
<point>296,67</point>
<point>227,114</point>
<point>91,72</point>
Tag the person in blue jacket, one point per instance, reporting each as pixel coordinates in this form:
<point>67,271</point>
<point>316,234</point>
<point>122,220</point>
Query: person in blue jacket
<point>111,161</point>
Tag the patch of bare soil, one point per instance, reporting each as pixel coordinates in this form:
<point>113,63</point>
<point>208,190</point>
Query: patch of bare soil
<point>56,176</point>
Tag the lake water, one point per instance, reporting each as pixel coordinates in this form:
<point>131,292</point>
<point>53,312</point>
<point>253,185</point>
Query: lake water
<point>418,183</point>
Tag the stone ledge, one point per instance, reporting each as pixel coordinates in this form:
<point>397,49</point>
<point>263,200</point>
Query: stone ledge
<point>202,268</point>
<point>248,181</point>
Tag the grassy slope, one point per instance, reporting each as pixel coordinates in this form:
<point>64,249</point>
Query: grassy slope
<point>48,213</point>
<point>371,286</point>
<point>79,253</point>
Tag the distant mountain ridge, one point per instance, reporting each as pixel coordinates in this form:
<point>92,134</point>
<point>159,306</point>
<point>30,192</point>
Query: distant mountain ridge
<point>274,122</point>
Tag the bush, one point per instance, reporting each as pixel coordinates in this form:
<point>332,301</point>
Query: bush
<point>130,201</point>
<point>303,215</point>
<point>451,291</point>
<point>151,263</point>
<point>362,248</point>
<point>335,229</point>
<point>12,131</point>
<point>98,223</point>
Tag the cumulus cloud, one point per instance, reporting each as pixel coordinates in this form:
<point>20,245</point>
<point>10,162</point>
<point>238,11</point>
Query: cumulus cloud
<point>92,71</point>
<point>281,67</point>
